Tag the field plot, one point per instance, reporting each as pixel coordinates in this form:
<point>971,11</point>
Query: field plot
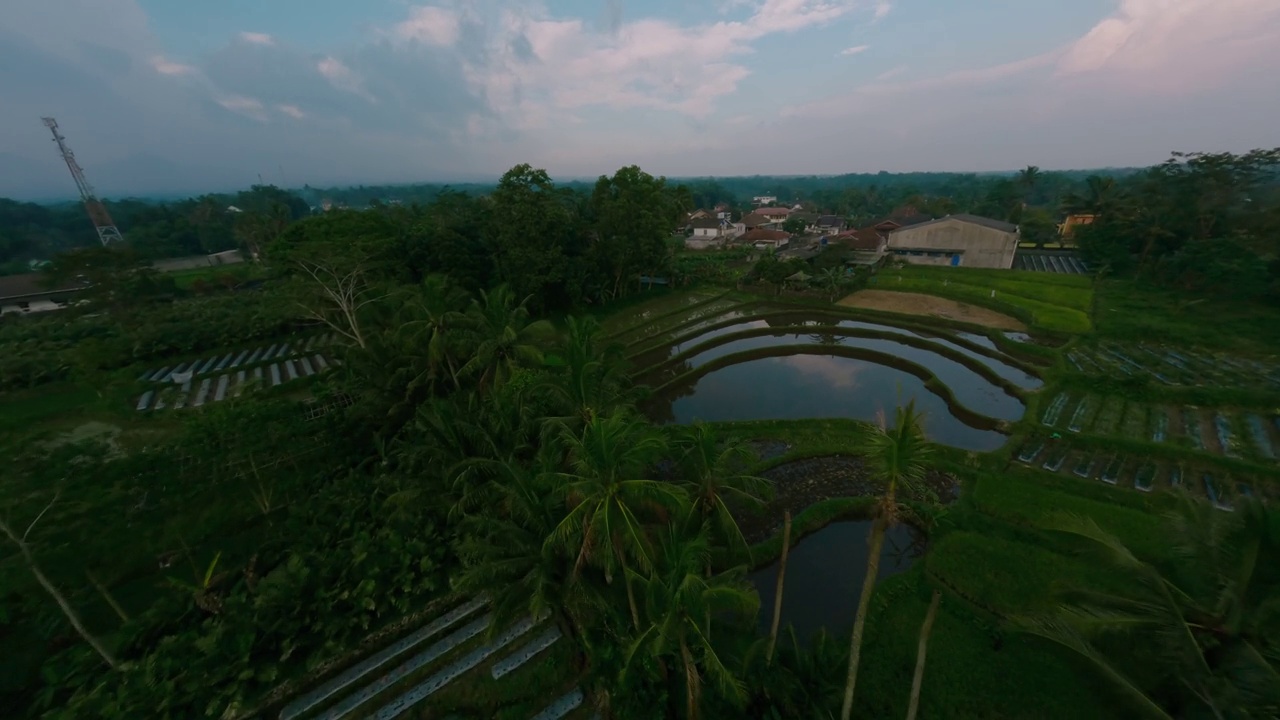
<point>1131,471</point>
<point>1175,367</point>
<point>1053,302</point>
<point>1220,431</point>
<point>640,315</point>
<point>218,377</point>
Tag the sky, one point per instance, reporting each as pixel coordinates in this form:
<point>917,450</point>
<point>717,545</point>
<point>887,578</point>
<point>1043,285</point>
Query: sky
<point>169,96</point>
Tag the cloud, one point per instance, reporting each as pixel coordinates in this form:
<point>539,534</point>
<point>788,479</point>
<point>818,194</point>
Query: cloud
<point>257,38</point>
<point>431,25</point>
<point>249,107</point>
<point>536,68</point>
<point>882,10</point>
<point>1187,45</point>
<point>168,67</point>
<point>292,111</point>
<point>854,50</point>
<point>342,77</point>
<point>892,72</point>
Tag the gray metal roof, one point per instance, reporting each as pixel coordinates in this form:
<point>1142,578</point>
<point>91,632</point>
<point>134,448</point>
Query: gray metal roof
<point>964,217</point>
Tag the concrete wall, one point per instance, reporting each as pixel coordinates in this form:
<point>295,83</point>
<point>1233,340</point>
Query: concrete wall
<point>983,247</point>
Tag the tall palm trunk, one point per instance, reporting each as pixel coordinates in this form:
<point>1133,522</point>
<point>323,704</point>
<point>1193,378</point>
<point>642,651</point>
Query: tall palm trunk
<point>691,681</point>
<point>631,596</point>
<point>918,680</point>
<point>777,597</point>
<point>864,602</point>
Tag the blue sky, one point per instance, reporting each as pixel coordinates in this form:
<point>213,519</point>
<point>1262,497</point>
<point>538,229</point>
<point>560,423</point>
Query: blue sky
<point>169,96</point>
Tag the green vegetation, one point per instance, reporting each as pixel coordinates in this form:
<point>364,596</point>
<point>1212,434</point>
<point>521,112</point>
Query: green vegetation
<point>220,561</point>
<point>1045,301</point>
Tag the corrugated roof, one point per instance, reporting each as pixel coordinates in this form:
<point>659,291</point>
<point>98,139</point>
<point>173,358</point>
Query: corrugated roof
<point>774,211</point>
<point>20,287</point>
<point>762,234</point>
<point>974,219</point>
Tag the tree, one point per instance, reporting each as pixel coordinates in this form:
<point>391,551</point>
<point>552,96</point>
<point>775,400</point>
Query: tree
<point>593,380</point>
<point>679,602</point>
<point>1100,198</point>
<point>713,473</point>
<point>917,679</point>
<point>1209,620</point>
<point>633,216</point>
<point>72,616</point>
<point>896,456</point>
<point>1037,226</point>
<point>501,337</point>
<point>609,498</point>
<point>535,239</point>
<point>795,225</point>
<point>1028,179</point>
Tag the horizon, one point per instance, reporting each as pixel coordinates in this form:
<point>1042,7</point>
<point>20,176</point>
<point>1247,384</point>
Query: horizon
<point>177,98</point>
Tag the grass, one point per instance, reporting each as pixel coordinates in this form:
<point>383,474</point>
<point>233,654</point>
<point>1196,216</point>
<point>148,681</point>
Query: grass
<point>1129,310</point>
<point>973,671</point>
<point>1047,301</point>
<point>215,276</point>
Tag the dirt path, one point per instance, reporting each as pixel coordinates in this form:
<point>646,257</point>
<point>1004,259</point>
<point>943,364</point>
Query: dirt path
<point>918,304</point>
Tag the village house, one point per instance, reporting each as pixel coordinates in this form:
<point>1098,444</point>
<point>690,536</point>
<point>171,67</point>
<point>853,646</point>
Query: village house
<point>754,220</point>
<point>710,232</point>
<point>763,239</point>
<point>829,224</point>
<point>956,240</point>
<point>1074,221</point>
<point>777,215</point>
<point>764,199</point>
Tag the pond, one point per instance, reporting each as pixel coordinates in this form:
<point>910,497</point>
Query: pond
<point>817,385</point>
<point>1005,370</point>
<point>824,577</point>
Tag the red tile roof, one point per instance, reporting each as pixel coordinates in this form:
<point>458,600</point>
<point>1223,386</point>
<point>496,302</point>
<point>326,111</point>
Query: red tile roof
<point>774,211</point>
<point>762,234</point>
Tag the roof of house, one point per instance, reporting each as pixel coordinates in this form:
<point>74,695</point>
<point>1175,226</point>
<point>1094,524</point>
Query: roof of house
<point>762,234</point>
<point>20,287</point>
<point>754,219</point>
<point>703,223</point>
<point>867,238</point>
<point>903,220</point>
<point>974,219</point>
<point>830,220</point>
<point>774,211</point>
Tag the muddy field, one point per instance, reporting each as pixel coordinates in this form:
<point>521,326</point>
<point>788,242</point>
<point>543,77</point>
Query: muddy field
<point>918,304</point>
<point>799,484</point>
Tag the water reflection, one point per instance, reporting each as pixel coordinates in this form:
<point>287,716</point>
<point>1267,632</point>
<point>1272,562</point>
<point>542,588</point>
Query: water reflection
<point>813,385</point>
<point>825,573</point>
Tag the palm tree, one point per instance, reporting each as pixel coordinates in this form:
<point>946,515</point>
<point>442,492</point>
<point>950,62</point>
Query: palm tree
<point>502,337</point>
<point>609,498</point>
<point>713,472</point>
<point>1028,178</point>
<point>679,601</point>
<point>830,280</point>
<point>594,379</point>
<point>1101,195</point>
<point>897,456</point>
<point>1210,618</point>
<point>802,682</point>
<point>504,551</point>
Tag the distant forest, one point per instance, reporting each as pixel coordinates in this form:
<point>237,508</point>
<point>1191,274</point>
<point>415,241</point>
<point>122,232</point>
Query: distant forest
<point>31,233</point>
<point>1198,221</point>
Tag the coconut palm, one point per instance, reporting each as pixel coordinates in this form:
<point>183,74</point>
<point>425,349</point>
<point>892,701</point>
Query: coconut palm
<point>503,548</point>
<point>802,682</point>
<point>1211,619</point>
<point>713,472</point>
<point>897,456</point>
<point>679,600</point>
<point>830,280</point>
<point>609,497</point>
<point>502,337</point>
<point>593,380</point>
<point>1101,195</point>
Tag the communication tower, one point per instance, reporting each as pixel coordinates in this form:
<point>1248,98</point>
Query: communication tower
<point>102,222</point>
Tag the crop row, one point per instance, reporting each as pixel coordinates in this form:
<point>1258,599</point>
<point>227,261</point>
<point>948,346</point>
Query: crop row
<point>1137,472</point>
<point>1174,367</point>
<point>1235,434</point>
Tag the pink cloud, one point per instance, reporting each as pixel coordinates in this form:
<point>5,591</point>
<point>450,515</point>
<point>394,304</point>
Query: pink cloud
<point>432,25</point>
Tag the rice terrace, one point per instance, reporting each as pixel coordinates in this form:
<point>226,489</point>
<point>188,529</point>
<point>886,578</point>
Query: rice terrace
<point>530,453</point>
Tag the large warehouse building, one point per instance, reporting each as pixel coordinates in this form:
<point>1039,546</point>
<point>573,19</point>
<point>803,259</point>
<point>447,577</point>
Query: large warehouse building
<point>957,240</point>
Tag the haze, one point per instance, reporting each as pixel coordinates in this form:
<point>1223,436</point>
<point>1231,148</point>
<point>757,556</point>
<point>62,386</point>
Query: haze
<point>157,96</point>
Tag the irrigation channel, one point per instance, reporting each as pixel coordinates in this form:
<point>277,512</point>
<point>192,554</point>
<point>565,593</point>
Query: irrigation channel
<point>793,365</point>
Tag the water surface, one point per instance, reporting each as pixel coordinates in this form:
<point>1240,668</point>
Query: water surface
<point>815,386</point>
<point>824,576</point>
